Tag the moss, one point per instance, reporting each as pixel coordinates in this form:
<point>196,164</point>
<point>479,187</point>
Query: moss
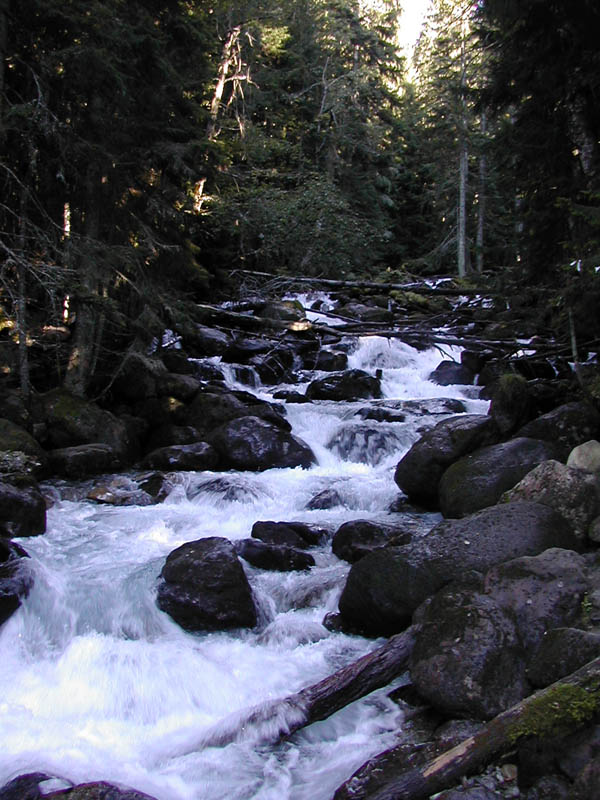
<point>556,709</point>
<point>511,386</point>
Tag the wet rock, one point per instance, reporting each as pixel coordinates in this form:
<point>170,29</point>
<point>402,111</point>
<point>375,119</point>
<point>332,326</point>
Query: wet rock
<point>561,652</point>
<point>197,456</point>
<point>328,498</point>
<point>328,361</point>
<point>204,587</point>
<point>291,534</point>
<point>15,579</point>
<point>252,443</point>
<point>585,786</point>
<point>273,557</point>
<point>137,378</point>
<point>123,490</point>
<point>355,539</point>
<point>209,410</point>
<point>83,460</point>
<point>22,510</point>
<point>384,588</point>
<point>352,384</point>
<point>449,373</point>
<point>573,493</point>
<point>365,443</point>
<point>479,479</point>
<point>97,791</point>
<point>24,787</point>
<point>570,424</point>
<point>419,472</point>
<point>274,366</point>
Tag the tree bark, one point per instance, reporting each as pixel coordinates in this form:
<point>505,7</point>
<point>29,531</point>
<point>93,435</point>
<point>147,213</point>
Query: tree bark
<point>463,164</point>
<point>481,202</point>
<point>281,718</point>
<point>4,7</point>
<point>561,708</point>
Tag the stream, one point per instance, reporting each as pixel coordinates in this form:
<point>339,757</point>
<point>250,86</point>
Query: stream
<point>99,684</point>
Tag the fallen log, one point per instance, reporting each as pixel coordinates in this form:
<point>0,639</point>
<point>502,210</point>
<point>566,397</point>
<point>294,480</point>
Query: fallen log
<point>413,286</point>
<point>558,709</point>
<point>277,719</point>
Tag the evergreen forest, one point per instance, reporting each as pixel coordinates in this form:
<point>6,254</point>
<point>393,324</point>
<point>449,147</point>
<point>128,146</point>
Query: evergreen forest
<point>153,152</point>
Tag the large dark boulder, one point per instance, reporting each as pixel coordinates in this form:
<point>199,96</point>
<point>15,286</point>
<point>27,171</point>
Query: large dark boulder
<point>471,654</point>
<point>14,438</point>
<point>211,409</point>
<point>511,404</point>
<point>479,479</point>
<point>252,443</point>
<point>97,791</point>
<point>352,384</point>
<point>573,492</point>
<point>200,340</point>
<point>83,460</point>
<point>15,578</point>
<point>22,510</point>
<point>71,421</point>
<point>561,652</point>
<point>468,660</point>
<point>272,556</point>
<point>197,456</point>
<point>385,587</point>
<point>569,425</point>
<point>204,587</point>
<point>449,373</point>
<point>419,472</point>
<point>355,539</point>
<point>290,534</point>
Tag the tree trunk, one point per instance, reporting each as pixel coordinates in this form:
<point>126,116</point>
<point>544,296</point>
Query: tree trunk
<point>283,717</point>
<point>4,7</point>
<point>481,197</point>
<point>227,61</point>
<point>561,708</point>
<point>463,167</point>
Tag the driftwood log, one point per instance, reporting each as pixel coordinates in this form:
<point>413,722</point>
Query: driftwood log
<point>280,718</point>
<point>558,709</point>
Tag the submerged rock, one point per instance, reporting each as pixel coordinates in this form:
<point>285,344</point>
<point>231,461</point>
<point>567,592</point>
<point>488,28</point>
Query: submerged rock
<point>15,579</point>
<point>273,556</point>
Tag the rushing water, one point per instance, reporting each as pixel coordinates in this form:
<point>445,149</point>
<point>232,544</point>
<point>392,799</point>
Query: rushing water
<point>98,684</point>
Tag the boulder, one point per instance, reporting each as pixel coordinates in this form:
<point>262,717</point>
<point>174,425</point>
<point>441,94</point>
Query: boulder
<point>365,443</point>
<point>197,456</point>
<point>182,387</point>
<point>209,410</point>
<point>83,460</point>
<point>570,424</point>
<point>352,384</point>
<point>287,534</point>
<point>467,659</point>
<point>22,510</point>
<point>122,490</point>
<point>540,592</point>
<point>574,493</point>
<point>15,578</point>
<point>96,791</point>
<point>14,438</point>
<point>204,587</point>
<point>252,443</point>
<point>511,404</point>
<point>586,457</point>
<point>355,539</point>
<point>384,588</point>
<point>71,421</point>
<point>449,373</point>
<point>274,366</point>
<point>137,378</point>
<point>200,340</point>
<point>561,652</point>
<point>169,434</point>
<point>328,498</point>
<point>273,556</point>
<point>419,472</point>
<point>479,479</point>
<point>328,361</point>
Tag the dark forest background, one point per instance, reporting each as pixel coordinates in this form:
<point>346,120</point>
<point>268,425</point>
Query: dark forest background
<point>149,151</point>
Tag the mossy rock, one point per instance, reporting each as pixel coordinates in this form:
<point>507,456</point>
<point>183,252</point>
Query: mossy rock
<point>20,451</point>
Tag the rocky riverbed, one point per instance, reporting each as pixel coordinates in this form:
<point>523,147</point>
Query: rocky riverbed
<point>280,442</point>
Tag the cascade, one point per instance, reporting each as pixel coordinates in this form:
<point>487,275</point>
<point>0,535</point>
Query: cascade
<point>99,684</point>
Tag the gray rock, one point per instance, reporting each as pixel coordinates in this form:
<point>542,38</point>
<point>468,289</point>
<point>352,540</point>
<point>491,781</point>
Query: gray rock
<point>349,385</point>
<point>586,457</point>
<point>561,652</point>
<point>197,456</point>
<point>570,424</point>
<point>22,510</point>
<point>479,479</point>
<point>355,539</point>
<point>385,587</point>
<point>419,472</point>
<point>273,557</point>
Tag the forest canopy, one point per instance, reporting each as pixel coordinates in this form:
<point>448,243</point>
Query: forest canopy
<point>149,149</point>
